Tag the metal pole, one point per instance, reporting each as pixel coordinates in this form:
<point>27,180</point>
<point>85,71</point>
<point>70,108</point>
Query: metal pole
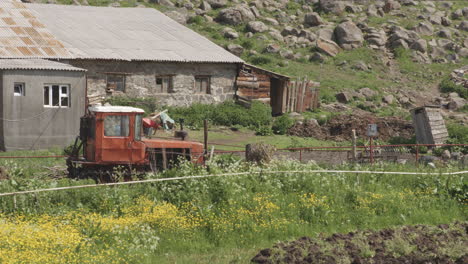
<point>371,151</point>
<point>354,145</point>
<point>205,136</point>
<point>417,155</point>
<point>300,155</point>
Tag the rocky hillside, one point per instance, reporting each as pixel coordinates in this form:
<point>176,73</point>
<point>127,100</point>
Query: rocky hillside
<point>380,56</point>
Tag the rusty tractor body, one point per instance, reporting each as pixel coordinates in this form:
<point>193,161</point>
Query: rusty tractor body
<point>111,137</point>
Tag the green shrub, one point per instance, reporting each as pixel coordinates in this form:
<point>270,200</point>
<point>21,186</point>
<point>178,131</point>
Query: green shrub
<point>282,124</point>
<point>247,44</point>
<point>260,60</point>
<point>146,103</point>
<point>263,131</point>
<point>225,114</point>
<point>448,86</point>
<point>458,134</point>
<point>196,20</point>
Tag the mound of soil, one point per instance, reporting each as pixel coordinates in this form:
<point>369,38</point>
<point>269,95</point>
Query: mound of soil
<point>409,244</point>
<point>339,128</point>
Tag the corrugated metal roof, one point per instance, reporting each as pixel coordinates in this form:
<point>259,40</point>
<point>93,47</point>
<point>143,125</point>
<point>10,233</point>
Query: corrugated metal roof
<point>22,35</point>
<point>35,64</point>
<point>142,34</point>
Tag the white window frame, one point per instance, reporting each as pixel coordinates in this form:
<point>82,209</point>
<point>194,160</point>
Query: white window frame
<point>23,89</point>
<point>61,95</point>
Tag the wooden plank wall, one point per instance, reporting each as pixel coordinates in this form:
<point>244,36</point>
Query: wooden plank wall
<point>437,125</point>
<point>253,85</point>
<point>301,96</point>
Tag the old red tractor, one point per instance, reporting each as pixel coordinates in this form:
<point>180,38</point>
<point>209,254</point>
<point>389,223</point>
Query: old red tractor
<point>111,137</point>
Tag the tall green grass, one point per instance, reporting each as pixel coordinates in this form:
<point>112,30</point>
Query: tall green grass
<point>245,212</point>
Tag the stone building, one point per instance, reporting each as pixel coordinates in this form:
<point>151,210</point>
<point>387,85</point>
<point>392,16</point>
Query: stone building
<point>133,51</point>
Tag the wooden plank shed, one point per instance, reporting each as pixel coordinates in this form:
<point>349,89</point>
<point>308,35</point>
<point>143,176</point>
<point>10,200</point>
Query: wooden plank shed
<point>429,125</point>
<point>283,94</point>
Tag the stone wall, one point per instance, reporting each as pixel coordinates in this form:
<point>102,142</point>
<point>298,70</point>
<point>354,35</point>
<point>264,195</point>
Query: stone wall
<point>140,80</point>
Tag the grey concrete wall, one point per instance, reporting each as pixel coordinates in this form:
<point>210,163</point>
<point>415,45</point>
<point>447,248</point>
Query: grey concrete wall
<point>141,79</point>
<point>27,123</point>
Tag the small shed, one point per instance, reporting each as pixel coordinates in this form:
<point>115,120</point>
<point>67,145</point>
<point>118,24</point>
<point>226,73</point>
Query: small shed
<point>283,95</point>
<point>42,102</point>
<point>429,125</point>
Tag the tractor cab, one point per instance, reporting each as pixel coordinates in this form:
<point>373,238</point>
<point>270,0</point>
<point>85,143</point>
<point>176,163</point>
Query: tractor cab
<point>113,134</point>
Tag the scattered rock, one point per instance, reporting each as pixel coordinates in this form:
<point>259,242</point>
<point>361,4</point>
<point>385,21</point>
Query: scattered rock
<point>463,25</point>
<point>391,5</point>
<point>348,35</point>
<point>368,93</point>
<point>273,48</point>
<point>317,57</point>
<point>328,47</point>
<point>272,21</point>
<point>444,33</point>
<point>205,6</point>
<point>360,66</point>
<point>419,45</point>
<point>179,17</point>
<point>424,29</point>
<point>217,3</point>
<point>312,19</point>
<point>325,33</point>
<point>287,54</point>
<point>256,27</point>
<point>231,34</point>
<point>332,6</point>
<point>343,97</point>
<point>235,15</point>
<point>389,99</point>
<point>235,49</point>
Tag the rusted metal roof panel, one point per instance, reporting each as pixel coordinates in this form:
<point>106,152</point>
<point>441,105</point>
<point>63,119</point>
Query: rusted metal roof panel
<point>35,64</point>
<point>22,35</point>
<point>143,34</point>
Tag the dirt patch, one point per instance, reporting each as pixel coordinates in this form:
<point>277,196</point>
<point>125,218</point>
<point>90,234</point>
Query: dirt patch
<point>408,244</point>
<point>339,127</point>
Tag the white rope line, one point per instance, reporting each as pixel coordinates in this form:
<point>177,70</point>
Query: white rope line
<point>225,174</point>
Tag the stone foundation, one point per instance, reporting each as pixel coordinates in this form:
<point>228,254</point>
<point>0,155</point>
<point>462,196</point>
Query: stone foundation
<point>140,80</point>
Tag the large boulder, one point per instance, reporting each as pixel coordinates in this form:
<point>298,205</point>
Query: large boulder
<point>256,27</point>
<point>463,25</point>
<point>391,5</point>
<point>179,17</point>
<point>312,19</point>
<point>332,6</point>
<point>419,45</point>
<point>235,49</point>
<point>328,47</point>
<point>348,35</point>
<point>424,29</point>
<point>217,3</point>
<point>376,37</point>
<point>235,15</point>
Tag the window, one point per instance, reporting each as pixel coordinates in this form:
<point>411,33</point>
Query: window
<point>115,83</point>
<point>19,89</point>
<point>164,84</point>
<point>138,125</point>
<point>202,84</point>
<point>57,95</point>
<point>116,126</point>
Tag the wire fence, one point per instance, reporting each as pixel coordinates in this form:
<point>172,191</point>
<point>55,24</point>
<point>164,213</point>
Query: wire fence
<point>311,172</point>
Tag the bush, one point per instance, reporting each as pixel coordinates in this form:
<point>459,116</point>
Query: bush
<point>225,114</point>
<point>261,60</point>
<point>146,103</point>
<point>458,134</point>
<point>196,20</point>
<point>282,124</point>
<point>448,86</point>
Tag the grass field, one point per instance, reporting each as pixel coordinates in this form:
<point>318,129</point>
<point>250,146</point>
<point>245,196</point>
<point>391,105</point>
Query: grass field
<point>218,220</point>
